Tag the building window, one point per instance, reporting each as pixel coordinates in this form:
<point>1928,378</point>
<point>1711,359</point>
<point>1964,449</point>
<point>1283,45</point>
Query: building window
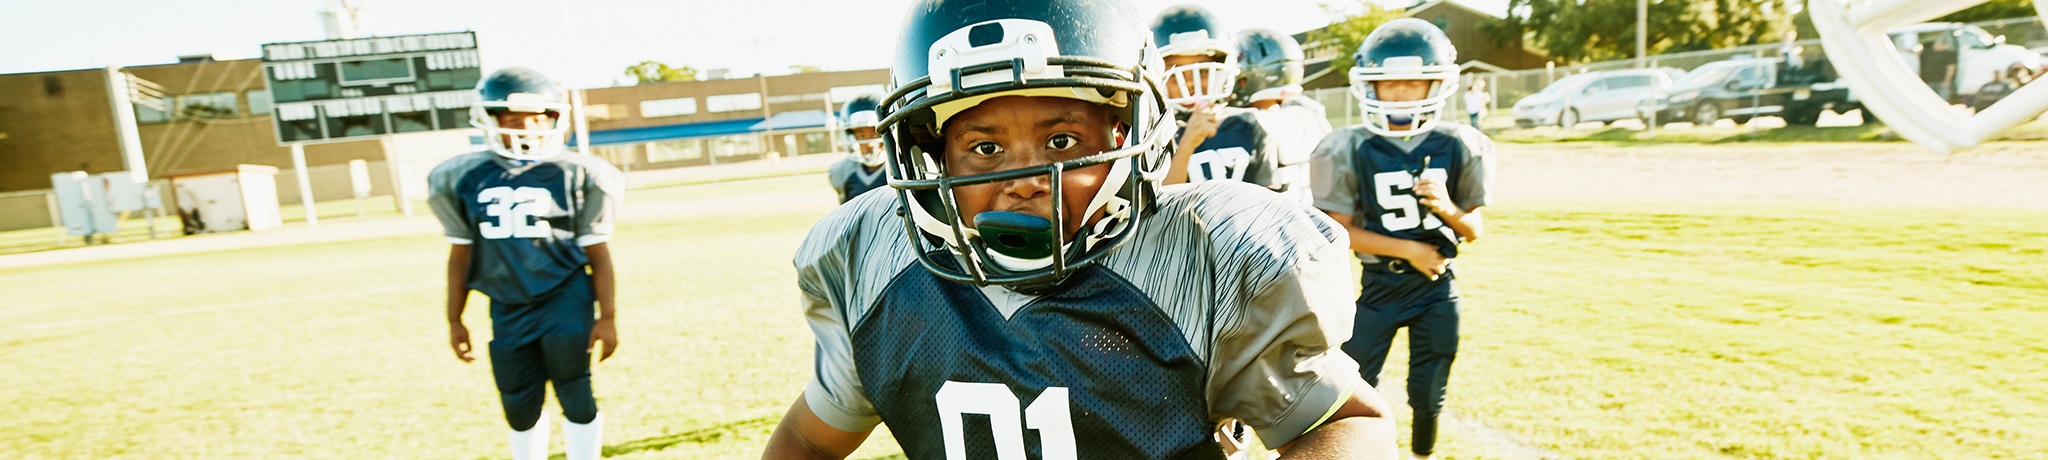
<point>664,108</point>
<point>152,111</point>
<point>602,112</point>
<point>259,102</point>
<point>733,102</point>
<point>737,145</point>
<point>683,150</point>
<point>842,94</point>
<point>206,106</point>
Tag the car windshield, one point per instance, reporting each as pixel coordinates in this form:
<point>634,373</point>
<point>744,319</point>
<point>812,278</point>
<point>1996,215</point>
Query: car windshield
<point>1566,82</point>
<point>1706,75</point>
<point>1974,37</point>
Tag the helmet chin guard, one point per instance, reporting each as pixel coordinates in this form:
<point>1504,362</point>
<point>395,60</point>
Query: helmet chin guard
<point>1854,34</point>
<point>956,57</point>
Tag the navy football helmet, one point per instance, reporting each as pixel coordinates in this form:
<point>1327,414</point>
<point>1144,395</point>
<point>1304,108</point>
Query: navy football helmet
<point>519,89</point>
<point>857,123</point>
<point>1404,49</point>
<point>955,54</point>
<point>1270,66</point>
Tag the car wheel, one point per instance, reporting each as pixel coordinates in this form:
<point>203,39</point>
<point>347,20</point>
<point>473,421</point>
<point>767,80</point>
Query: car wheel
<point>1706,114</point>
<point>1568,119</point>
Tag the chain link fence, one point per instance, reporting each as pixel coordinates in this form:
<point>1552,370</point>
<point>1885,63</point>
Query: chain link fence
<point>1508,87</point>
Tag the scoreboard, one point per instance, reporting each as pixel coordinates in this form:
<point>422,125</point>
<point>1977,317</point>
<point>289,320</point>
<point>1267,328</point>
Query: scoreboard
<point>338,90</point>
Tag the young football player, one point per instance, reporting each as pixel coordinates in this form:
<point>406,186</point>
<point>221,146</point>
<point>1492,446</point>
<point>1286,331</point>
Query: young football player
<point>1216,141</point>
<point>1269,82</point>
<point>1408,187</point>
<point>529,225</point>
<point>861,171</point>
<point>1029,291</point>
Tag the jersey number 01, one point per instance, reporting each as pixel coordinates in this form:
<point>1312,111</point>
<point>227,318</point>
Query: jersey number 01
<point>1047,414</point>
<point>517,211</point>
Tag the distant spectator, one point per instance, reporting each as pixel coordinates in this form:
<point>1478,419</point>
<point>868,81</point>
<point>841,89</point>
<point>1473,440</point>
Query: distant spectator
<point>2001,84</point>
<point>1476,101</point>
<point>1938,67</point>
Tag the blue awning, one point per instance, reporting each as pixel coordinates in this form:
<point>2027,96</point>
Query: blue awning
<point>668,132</point>
<point>786,120</point>
<point>791,120</point>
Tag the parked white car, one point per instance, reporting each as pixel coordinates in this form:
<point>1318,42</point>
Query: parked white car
<point>1594,96</point>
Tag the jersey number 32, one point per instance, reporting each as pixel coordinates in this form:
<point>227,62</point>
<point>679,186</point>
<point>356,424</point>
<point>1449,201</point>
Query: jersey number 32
<point>518,211</point>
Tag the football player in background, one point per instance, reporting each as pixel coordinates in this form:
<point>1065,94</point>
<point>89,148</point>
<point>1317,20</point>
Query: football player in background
<point>1408,187</point>
<point>1269,81</point>
<point>529,225</point>
<point>1029,291</point>
<point>861,171</point>
<point>1216,141</point>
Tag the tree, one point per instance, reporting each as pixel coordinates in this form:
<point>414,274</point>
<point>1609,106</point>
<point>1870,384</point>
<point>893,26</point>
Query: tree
<point>805,69</point>
<point>1992,10</point>
<point>1349,30</point>
<point>654,72</point>
<point>1578,31</point>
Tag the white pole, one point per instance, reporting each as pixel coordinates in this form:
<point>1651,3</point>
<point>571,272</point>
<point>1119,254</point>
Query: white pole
<point>305,184</point>
<point>125,136</point>
<point>576,96</point>
<point>1642,31</point>
<point>395,161</point>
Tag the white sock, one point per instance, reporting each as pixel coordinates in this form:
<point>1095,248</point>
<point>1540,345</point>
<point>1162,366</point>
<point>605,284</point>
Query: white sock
<point>584,441</point>
<point>531,444</point>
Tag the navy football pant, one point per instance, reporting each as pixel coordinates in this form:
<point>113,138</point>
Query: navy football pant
<point>545,341</point>
<point>1429,309</point>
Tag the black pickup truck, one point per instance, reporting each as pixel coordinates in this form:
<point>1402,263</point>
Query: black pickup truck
<point>1744,88</point>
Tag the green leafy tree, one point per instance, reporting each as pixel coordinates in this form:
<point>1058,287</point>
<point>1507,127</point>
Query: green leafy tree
<point>654,72</point>
<point>1344,34</point>
<point>1578,31</point>
<point>1992,10</point>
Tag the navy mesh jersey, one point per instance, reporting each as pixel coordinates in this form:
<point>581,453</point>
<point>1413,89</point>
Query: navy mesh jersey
<point>1133,387</point>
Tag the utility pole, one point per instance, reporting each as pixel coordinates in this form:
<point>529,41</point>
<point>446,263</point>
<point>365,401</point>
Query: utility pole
<point>767,116</point>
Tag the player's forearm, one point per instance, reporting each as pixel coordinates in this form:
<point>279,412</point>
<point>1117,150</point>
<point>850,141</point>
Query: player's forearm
<point>458,281</point>
<point>602,278</point>
<point>1469,224</point>
<point>1177,171</point>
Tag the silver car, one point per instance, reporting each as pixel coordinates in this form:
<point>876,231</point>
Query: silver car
<point>1594,96</point>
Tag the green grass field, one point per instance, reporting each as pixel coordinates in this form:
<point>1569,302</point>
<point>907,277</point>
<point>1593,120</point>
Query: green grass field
<point>1594,330</point>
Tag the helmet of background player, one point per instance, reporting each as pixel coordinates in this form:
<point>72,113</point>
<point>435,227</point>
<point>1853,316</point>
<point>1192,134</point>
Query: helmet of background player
<point>1269,66</point>
<point>1189,30</point>
<point>521,90</point>
<point>1404,49</point>
<point>857,122</point>
<point>956,54</point>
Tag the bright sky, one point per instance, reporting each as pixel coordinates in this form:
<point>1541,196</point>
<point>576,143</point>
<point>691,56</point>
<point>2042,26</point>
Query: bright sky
<point>608,34</point>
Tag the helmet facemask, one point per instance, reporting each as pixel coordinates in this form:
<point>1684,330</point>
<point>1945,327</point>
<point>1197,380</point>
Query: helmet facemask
<point>865,140</point>
<point>1019,57</point>
<point>1201,83</point>
<point>529,143</point>
<point>1421,115</point>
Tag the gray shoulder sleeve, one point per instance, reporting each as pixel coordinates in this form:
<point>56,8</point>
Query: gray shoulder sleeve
<point>1276,363</point>
<point>1335,185</point>
<point>1473,178</point>
<point>847,258</point>
<point>449,208</point>
<point>604,191</point>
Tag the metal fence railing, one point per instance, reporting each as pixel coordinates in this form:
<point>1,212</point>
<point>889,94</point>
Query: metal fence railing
<point>1508,87</point>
